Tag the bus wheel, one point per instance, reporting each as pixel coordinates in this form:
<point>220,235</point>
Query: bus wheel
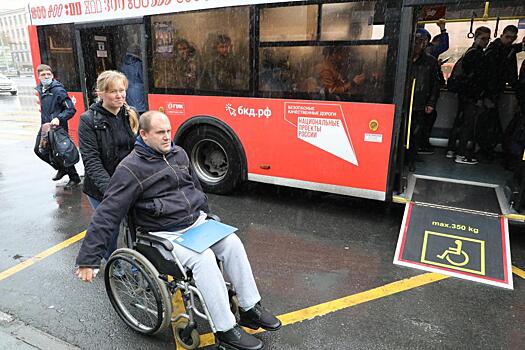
<point>215,158</point>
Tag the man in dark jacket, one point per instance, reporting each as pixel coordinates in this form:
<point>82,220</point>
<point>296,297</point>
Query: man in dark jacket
<point>501,67</point>
<point>425,75</point>
<point>471,98</point>
<point>158,181</point>
<point>56,108</point>
<point>436,46</point>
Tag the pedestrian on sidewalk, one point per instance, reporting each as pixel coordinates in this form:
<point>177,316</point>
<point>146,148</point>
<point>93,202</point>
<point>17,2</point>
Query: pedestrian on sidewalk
<point>56,108</point>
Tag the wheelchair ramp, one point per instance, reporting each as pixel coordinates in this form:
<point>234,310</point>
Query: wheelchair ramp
<point>457,229</point>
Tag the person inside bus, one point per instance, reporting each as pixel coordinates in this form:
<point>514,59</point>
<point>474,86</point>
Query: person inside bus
<point>425,74</point>
<point>106,134</point>
<point>186,65</point>
<point>133,70</point>
<point>440,43</point>
<point>501,68</point>
<point>221,70</point>
<point>56,108</point>
<point>470,98</point>
<point>333,74</point>
<point>275,75</point>
<point>436,46</point>
<point>157,171</point>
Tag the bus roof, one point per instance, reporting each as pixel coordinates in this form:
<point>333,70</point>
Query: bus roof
<point>44,12</point>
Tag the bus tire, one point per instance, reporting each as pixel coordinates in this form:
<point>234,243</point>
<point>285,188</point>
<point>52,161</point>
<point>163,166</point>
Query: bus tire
<point>215,157</point>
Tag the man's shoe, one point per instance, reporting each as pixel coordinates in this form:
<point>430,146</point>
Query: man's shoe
<point>237,339</point>
<point>59,175</point>
<point>450,154</point>
<point>466,160</point>
<point>73,181</point>
<point>258,317</point>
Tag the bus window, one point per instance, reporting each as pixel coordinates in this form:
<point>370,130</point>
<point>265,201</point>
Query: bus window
<point>56,46</point>
<point>314,72</point>
<point>350,21</point>
<point>293,23</point>
<point>214,58</point>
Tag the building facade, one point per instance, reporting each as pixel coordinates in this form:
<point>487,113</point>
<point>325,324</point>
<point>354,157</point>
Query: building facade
<point>15,54</point>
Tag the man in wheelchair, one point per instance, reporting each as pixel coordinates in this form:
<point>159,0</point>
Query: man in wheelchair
<point>157,180</point>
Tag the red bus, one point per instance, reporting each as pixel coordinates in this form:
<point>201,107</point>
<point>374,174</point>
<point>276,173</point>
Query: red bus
<point>307,94</point>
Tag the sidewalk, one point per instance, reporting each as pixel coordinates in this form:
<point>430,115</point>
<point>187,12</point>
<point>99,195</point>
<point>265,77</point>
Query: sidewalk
<point>19,336</point>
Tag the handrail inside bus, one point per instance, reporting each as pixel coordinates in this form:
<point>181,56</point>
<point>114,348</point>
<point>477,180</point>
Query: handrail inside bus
<point>476,19</point>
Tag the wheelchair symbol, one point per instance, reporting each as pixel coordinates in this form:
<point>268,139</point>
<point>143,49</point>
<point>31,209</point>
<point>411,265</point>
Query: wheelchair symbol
<point>457,251</point>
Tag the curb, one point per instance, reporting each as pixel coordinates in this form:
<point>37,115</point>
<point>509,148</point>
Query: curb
<point>18,335</point>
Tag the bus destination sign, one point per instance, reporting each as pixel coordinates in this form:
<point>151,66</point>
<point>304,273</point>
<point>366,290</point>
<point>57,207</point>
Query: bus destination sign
<point>44,12</point>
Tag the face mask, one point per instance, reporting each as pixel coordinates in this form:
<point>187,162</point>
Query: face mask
<point>46,82</point>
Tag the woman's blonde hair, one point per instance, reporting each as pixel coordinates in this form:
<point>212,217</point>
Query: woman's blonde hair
<point>110,77</point>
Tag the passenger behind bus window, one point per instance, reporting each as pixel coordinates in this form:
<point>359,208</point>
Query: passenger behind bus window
<point>187,65</point>
<point>470,97</point>
<point>221,70</point>
<point>501,67</point>
<point>333,71</point>
<point>425,74</point>
<point>276,75</point>
<point>133,70</point>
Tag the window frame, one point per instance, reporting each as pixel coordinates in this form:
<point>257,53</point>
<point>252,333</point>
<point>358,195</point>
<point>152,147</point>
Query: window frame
<point>200,92</point>
<point>391,41</point>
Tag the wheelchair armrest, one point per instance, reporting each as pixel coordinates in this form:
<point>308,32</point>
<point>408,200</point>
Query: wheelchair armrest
<point>155,239</point>
<point>213,217</point>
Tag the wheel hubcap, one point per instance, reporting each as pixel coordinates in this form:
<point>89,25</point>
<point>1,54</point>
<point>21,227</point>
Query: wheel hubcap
<point>210,161</point>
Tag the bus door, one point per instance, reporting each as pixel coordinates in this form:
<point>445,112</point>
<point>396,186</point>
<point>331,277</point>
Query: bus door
<point>107,47</point>
<point>459,194</point>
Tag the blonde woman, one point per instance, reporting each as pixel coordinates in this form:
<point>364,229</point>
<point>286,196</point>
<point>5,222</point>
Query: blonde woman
<point>106,133</point>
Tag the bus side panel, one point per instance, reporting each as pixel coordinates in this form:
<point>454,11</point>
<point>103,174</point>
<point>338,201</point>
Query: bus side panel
<point>328,142</point>
<point>35,49</point>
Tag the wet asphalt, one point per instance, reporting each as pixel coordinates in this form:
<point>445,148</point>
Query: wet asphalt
<point>305,248</point>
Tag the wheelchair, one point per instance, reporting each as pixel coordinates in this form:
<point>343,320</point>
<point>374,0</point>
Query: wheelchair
<point>141,279</point>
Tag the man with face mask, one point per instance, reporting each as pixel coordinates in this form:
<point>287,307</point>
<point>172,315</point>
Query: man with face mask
<point>56,108</point>
<point>501,68</point>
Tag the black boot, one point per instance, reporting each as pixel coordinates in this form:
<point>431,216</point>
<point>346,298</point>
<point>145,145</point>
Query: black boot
<point>257,317</point>
<point>60,174</point>
<point>237,339</point>
<point>74,179</point>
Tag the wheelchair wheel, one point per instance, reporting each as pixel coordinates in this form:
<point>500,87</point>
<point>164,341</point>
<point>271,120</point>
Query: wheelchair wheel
<point>192,341</point>
<point>140,298</point>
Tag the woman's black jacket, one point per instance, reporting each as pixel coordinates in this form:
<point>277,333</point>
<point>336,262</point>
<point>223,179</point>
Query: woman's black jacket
<point>97,148</point>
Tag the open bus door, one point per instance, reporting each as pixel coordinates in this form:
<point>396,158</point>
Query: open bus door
<point>104,47</point>
<point>456,214</point>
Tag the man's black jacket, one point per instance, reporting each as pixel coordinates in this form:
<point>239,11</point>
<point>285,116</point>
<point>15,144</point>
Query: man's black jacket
<point>55,103</point>
<point>97,147</point>
<point>163,190</point>
<point>426,72</point>
<point>501,67</point>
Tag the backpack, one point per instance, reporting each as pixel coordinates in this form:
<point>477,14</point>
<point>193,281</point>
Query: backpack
<point>458,81</point>
<point>64,152</point>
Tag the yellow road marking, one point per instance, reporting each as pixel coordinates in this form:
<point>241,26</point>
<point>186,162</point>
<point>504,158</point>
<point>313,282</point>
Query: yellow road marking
<point>345,302</point>
<point>17,268</point>
<point>518,272</point>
